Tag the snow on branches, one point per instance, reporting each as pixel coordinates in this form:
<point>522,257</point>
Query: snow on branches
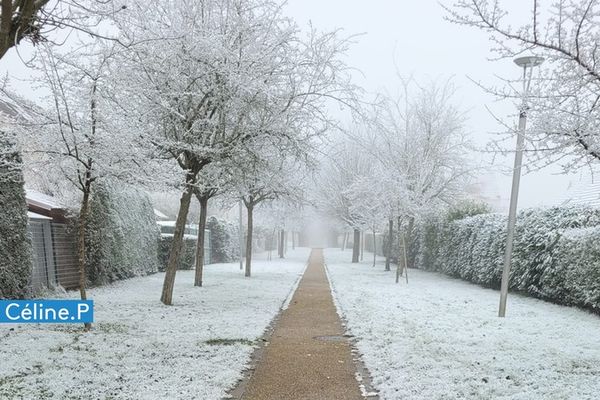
<point>564,99</point>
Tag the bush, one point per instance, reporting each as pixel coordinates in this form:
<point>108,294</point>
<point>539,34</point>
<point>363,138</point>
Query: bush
<point>391,246</point>
<point>224,238</point>
<point>188,252</point>
<point>121,236</point>
<point>15,244</point>
<point>468,208</point>
<point>555,257</point>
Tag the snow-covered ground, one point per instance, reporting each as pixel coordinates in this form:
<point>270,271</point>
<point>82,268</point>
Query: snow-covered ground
<point>440,338</point>
<point>141,349</point>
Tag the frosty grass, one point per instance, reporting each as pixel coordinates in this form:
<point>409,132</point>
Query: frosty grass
<point>141,349</point>
<point>440,338</point>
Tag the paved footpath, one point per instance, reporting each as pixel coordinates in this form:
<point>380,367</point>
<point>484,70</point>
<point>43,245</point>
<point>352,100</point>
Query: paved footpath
<point>297,364</point>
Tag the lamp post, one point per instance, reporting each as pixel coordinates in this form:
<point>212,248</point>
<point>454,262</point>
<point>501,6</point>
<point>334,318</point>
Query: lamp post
<point>241,235</point>
<point>527,63</point>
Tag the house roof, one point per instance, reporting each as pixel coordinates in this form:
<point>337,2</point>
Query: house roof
<point>33,215</point>
<point>11,110</point>
<point>160,215</point>
<point>41,200</point>
<point>585,192</point>
<point>44,205</point>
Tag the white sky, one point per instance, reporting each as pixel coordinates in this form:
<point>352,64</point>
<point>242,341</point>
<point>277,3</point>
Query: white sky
<point>424,45</point>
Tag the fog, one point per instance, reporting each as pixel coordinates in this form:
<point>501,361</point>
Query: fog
<point>413,39</point>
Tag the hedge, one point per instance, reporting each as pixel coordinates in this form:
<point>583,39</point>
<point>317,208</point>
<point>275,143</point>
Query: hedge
<point>224,237</point>
<point>556,253</point>
<point>188,252</point>
<point>15,245</point>
<point>121,235</point>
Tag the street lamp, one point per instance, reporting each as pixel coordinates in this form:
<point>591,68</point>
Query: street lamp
<point>527,63</point>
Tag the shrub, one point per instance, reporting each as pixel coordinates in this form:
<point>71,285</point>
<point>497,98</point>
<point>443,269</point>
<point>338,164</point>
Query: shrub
<point>468,208</point>
<point>188,252</point>
<point>121,236</point>
<point>224,238</point>
<point>556,252</point>
<point>391,246</point>
<point>15,244</point>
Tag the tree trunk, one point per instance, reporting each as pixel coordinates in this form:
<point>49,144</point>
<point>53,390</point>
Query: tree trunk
<point>175,251</point>
<point>398,273</point>
<point>250,208</point>
<point>411,225</point>
<point>344,241</point>
<point>272,244</point>
<point>200,242</point>
<point>356,246</point>
<point>374,248</point>
<point>399,263</point>
<point>362,246</point>
<point>388,252</point>
<point>293,240</point>
<point>280,251</point>
<point>82,221</point>
<point>405,263</point>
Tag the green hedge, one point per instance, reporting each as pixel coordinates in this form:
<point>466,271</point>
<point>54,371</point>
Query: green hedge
<point>556,252</point>
<point>188,252</point>
<point>121,236</point>
<point>15,244</point>
<point>225,245</point>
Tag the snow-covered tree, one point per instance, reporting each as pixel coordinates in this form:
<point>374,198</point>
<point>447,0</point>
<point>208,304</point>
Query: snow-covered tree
<point>269,175</point>
<point>194,82</point>
<point>213,180</point>
<point>423,150</point>
<point>71,130</point>
<point>35,20</point>
<point>282,217</point>
<point>207,78</point>
<point>563,101</point>
<point>345,186</point>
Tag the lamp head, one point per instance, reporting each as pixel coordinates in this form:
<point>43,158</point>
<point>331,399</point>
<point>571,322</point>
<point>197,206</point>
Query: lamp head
<point>529,61</point>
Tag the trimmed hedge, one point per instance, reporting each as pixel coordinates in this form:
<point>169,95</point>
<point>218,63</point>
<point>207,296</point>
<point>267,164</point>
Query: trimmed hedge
<point>188,252</point>
<point>122,235</point>
<point>556,253</point>
<point>15,245</point>
<point>225,246</point>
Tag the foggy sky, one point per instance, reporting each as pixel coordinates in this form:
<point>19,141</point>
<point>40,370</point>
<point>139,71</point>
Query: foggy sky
<point>412,38</point>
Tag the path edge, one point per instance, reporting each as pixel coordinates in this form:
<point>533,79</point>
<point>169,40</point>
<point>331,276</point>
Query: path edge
<point>363,375</point>
<point>237,391</point>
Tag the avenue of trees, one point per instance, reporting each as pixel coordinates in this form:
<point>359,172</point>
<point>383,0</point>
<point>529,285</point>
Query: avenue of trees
<point>230,99</point>
<point>213,98</point>
<point>408,159</point>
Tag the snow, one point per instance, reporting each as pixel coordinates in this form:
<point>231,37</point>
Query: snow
<point>41,200</point>
<point>440,338</point>
<point>160,215</point>
<point>32,215</point>
<point>579,233</point>
<point>141,349</point>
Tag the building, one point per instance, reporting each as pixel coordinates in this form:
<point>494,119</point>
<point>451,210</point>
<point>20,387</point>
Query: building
<point>53,243</point>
